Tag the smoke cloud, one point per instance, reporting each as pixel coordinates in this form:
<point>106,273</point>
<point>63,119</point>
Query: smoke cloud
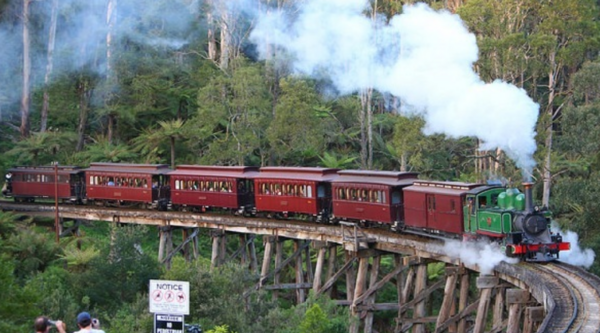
<point>576,255</point>
<point>422,56</point>
<point>483,254</point>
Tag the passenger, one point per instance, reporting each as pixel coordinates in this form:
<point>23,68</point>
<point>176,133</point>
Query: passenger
<point>110,182</point>
<point>84,321</point>
<point>43,324</point>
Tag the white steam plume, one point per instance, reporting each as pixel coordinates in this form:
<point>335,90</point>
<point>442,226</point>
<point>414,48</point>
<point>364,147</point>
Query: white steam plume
<point>423,56</point>
<point>483,254</point>
<point>576,255</point>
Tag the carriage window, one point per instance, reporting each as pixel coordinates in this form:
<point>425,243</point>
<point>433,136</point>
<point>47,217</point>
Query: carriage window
<point>396,198</point>
<point>321,191</point>
<point>452,206</point>
<point>309,191</point>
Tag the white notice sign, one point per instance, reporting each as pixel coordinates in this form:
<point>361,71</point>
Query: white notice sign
<point>172,297</point>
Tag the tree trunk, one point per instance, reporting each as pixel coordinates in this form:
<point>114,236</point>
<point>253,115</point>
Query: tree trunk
<point>370,130</point>
<point>546,174</point>
<point>212,42</point>
<point>25,95</point>
<point>225,39</point>
<point>364,100</point>
<point>111,18</point>
<point>84,94</point>
<point>172,142</point>
<point>49,65</point>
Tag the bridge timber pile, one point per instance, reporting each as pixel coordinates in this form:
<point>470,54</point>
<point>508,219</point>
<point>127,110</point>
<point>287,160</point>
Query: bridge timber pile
<point>514,298</point>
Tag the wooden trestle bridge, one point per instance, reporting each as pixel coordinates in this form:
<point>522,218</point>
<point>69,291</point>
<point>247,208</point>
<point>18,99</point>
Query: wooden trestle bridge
<point>513,298</point>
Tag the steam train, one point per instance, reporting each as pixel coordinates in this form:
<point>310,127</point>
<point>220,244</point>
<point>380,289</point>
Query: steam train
<point>398,200</point>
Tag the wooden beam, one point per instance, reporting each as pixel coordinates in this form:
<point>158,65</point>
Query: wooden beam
<point>266,259</point>
<point>371,299</point>
<point>319,268</point>
<point>181,246</point>
<point>448,298</point>
<point>298,247</point>
<point>419,308</point>
<point>337,275</point>
<point>282,286</point>
<point>380,284</point>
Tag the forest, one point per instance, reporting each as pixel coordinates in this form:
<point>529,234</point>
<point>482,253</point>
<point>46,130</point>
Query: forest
<point>464,90</point>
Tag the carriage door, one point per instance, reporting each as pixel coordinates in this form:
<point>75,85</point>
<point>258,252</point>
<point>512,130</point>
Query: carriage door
<point>77,182</point>
<point>430,199</point>
<point>396,205</point>
<point>245,191</point>
<point>324,197</point>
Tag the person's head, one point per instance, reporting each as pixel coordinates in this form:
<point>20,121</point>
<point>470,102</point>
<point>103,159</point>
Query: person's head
<point>84,319</point>
<point>41,324</point>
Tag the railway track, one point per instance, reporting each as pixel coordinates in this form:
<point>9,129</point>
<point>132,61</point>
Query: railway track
<point>576,295</point>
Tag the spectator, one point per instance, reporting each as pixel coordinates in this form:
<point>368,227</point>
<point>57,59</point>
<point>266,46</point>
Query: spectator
<point>43,324</point>
<point>96,323</point>
<point>84,321</point>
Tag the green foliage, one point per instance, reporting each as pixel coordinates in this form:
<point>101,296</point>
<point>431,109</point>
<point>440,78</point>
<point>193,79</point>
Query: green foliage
<point>296,127</point>
<point>132,317</point>
<point>32,251</point>
<point>102,150</point>
<point>315,321</point>
<point>233,114</point>
<point>220,329</point>
<point>17,307</point>
<point>121,260</point>
<point>43,148</point>
<point>317,314</point>
<point>212,290</point>
<point>333,161</point>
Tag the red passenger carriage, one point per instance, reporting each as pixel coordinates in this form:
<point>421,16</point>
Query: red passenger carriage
<point>122,183</point>
<point>370,196</point>
<point>286,190</point>
<point>230,187</point>
<point>436,207</point>
<point>27,183</point>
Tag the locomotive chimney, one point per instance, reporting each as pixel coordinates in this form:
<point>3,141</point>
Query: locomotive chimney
<point>528,197</point>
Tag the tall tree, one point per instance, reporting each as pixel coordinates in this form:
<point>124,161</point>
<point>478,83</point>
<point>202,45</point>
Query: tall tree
<point>563,35</point>
<point>111,75</point>
<point>49,65</point>
<point>26,90</point>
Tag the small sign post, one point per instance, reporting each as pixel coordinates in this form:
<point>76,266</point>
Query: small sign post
<point>164,323</point>
<point>169,301</point>
<point>172,297</point>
